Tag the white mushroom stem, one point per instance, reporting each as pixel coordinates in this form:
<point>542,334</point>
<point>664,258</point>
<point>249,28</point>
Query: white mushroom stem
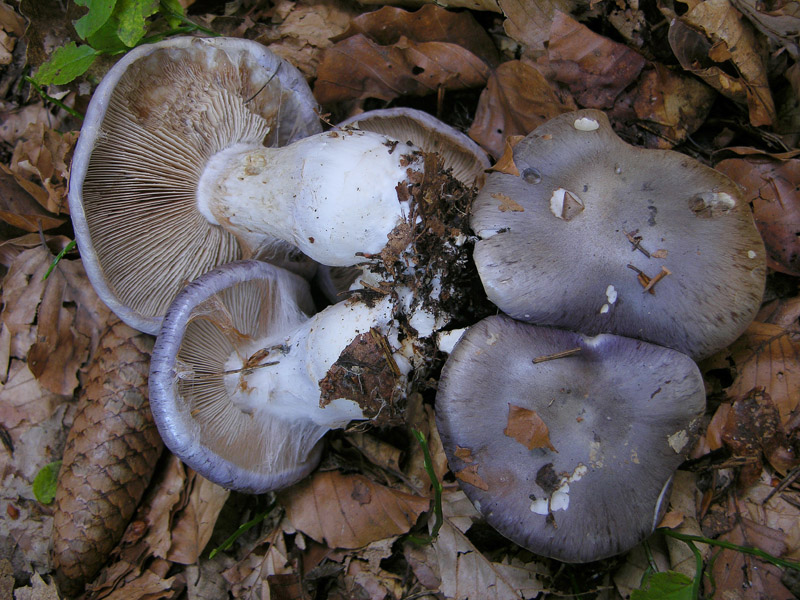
<point>290,388</point>
<point>332,195</point>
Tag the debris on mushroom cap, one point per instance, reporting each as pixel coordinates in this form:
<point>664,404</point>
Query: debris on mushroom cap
<point>613,408</point>
<point>467,160</point>
<point>672,236</point>
<point>153,123</point>
<point>243,384</point>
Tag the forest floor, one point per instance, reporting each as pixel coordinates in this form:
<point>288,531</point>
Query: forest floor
<point>714,79</point>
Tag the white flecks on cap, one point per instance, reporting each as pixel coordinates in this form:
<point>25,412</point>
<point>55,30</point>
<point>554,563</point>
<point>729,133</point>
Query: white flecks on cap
<point>586,124</point>
<point>611,294</point>
<point>678,440</point>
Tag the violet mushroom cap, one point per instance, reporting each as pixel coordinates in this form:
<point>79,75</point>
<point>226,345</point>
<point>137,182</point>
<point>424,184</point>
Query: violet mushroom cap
<point>621,415</point>
<point>467,159</point>
<point>237,369</point>
<point>153,123</point>
<point>564,242</point>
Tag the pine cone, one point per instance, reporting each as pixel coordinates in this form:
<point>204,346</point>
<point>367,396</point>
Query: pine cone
<point>109,458</point>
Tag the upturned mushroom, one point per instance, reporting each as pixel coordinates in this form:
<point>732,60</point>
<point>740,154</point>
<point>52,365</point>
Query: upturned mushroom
<point>244,384</point>
<point>571,451</point>
<point>183,164</point>
<point>595,235</point>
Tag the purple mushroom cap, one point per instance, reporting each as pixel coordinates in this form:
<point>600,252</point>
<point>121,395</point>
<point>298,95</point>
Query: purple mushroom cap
<point>598,236</point>
<point>571,457</point>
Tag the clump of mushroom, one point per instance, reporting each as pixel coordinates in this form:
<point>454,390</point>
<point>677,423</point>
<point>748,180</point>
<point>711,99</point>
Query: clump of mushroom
<point>595,235</point>
<point>196,152</point>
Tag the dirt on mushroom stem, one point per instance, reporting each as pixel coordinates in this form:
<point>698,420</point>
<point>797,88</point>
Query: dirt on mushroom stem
<point>430,255</point>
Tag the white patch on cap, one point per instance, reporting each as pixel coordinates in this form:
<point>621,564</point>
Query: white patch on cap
<point>677,441</point>
<point>611,294</point>
<point>559,500</point>
<point>751,254</point>
<point>557,202</point>
<point>604,309</point>
<point>586,124</point>
<point>492,339</point>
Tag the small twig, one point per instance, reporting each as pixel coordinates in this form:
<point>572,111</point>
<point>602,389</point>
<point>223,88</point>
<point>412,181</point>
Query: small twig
<point>664,272</point>
<point>557,355</point>
<point>380,339</point>
<point>790,478</point>
<point>636,240</point>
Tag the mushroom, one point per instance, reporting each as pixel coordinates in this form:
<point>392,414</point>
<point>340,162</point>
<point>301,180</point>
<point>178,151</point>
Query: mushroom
<point>243,385</point>
<point>183,164</point>
<point>467,160</point>
<point>570,452</point>
<point>595,235</point>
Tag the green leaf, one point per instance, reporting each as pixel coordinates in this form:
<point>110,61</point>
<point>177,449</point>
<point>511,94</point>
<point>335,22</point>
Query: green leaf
<point>173,12</point>
<point>132,15</point>
<point>665,586</point>
<point>106,39</point>
<point>66,63</point>
<point>99,13</point>
<point>44,484</point>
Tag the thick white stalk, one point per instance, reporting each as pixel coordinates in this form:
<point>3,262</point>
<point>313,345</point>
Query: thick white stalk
<point>290,388</point>
<point>332,195</point>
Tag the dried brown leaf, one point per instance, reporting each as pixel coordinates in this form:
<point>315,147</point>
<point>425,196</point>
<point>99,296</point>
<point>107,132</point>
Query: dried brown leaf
<point>673,105</point>
<point>745,577</point>
<point>428,24</point>
<point>349,511</point>
<point>778,21</point>
<point>772,188</point>
<point>466,573</point>
<point>358,68</point>
<point>43,157</point>
<point>528,428</point>
<point>712,32</point>
<point>20,209</point>
<point>193,525</point>
<point>529,22</point>
<point>768,356</point>
<point>517,99</point>
<point>487,5</point>
<point>595,69</point>
<point>470,475</point>
<point>507,203</point>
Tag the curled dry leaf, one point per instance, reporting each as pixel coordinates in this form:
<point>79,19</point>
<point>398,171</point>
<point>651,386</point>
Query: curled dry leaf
<point>19,207</point>
<point>487,5</point>
<point>349,511</point>
<point>358,68</point>
<point>109,458</point>
<point>768,356</point>
<point>43,156</point>
<point>753,428</point>
<point>595,69</point>
<point>193,525</point>
<point>528,428</point>
<point>673,105</point>
<point>779,21</point>
<point>771,186</point>
<point>428,24</point>
<point>54,323</point>
<point>517,99</point>
<point>529,22</point>
<point>466,573</point>
<point>709,35</point>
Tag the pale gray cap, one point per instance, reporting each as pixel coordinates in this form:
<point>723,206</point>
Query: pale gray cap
<point>621,413</point>
<point>555,247</point>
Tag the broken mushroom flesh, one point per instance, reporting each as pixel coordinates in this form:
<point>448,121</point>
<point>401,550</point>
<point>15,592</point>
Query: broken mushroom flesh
<point>244,384</point>
<point>459,153</point>
<point>595,235</point>
<point>154,122</point>
<point>569,457</point>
